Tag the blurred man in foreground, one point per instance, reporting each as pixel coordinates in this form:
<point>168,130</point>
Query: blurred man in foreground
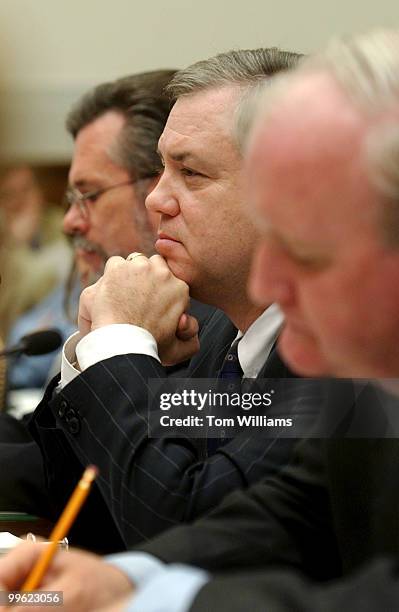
<point>322,535</point>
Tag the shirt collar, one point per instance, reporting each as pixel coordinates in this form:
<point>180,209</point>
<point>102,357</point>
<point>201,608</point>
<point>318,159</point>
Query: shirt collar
<point>257,342</point>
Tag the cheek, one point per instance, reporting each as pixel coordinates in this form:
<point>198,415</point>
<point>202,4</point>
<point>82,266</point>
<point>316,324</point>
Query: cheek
<point>341,315</point>
<point>117,231</point>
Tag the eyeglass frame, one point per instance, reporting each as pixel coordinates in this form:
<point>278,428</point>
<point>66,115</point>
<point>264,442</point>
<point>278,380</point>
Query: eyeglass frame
<point>74,196</point>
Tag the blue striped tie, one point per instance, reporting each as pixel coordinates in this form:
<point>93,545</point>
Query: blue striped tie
<point>231,368</point>
<point>232,373</point>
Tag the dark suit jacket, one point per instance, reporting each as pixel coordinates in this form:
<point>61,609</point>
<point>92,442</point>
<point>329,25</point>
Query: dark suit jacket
<point>22,482</point>
<point>323,534</point>
<point>148,484</point>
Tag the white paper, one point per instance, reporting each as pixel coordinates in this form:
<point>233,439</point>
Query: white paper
<point>8,541</point>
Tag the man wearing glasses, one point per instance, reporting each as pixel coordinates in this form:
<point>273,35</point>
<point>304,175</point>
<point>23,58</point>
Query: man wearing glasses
<point>115,127</point>
<point>114,167</point>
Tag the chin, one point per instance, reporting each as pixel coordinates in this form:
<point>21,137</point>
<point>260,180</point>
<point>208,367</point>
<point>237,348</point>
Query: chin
<point>180,270</point>
<point>302,356</point>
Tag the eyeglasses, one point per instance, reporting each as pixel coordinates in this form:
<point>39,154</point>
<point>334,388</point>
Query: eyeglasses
<point>74,196</point>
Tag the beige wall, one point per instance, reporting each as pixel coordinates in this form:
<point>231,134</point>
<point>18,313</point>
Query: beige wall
<point>52,50</point>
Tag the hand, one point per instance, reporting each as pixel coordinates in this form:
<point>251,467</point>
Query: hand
<point>184,345</point>
<point>142,292</point>
<point>87,582</point>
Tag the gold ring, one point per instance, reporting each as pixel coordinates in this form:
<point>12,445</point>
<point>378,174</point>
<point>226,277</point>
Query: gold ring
<point>134,255</point>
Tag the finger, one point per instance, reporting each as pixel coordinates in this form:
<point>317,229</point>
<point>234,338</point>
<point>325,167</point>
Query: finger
<point>187,327</point>
<point>134,255</point>
<point>139,261</point>
<point>181,351</point>
<point>85,307</point>
<point>158,262</point>
<point>157,258</point>
<point>187,349</point>
<point>113,262</point>
<point>16,565</point>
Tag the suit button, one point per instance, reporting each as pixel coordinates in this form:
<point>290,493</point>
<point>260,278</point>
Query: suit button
<point>62,408</point>
<point>73,425</point>
<point>70,414</point>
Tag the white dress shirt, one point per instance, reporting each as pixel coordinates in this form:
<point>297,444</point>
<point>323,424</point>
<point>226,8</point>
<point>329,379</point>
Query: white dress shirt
<point>120,339</point>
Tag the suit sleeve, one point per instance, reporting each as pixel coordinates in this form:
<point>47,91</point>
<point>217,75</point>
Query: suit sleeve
<point>22,481</point>
<point>286,520</point>
<point>148,484</point>
<point>375,587</point>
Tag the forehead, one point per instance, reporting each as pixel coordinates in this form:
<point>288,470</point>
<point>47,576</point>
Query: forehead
<point>201,123</point>
<point>93,146</point>
<point>308,153</point>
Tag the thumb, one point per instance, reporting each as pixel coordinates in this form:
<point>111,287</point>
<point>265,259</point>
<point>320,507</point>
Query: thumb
<point>187,327</point>
<point>85,308</point>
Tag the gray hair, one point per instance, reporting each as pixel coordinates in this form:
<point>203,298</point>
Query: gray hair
<point>246,68</point>
<point>242,67</point>
<point>366,68</point>
<point>141,100</point>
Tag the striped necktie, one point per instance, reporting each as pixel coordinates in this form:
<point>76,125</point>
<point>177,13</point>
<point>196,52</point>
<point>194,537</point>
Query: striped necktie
<point>231,374</point>
<point>231,368</point>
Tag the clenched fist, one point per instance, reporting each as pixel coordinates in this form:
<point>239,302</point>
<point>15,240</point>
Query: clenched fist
<point>142,292</point>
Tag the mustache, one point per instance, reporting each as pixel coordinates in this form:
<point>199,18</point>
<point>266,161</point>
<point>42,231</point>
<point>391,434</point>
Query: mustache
<point>79,242</point>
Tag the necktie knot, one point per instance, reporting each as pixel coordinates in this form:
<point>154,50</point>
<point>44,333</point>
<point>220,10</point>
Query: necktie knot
<point>231,368</point>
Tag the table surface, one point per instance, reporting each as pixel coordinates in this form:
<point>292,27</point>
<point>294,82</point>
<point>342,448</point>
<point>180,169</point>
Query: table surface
<point>19,524</point>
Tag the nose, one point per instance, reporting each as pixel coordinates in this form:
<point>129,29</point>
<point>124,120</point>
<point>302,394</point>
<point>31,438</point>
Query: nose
<point>271,279</point>
<point>162,198</point>
<point>74,221</point>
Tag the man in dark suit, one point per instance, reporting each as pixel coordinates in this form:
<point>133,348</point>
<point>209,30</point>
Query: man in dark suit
<point>109,183</point>
<point>323,534</point>
<point>147,483</point>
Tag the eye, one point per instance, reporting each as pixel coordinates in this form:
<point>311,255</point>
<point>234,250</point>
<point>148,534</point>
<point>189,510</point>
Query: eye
<point>91,196</point>
<point>311,262</point>
<point>189,172</point>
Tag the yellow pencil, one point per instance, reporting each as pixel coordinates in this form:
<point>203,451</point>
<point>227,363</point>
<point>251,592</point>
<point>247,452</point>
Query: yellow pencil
<point>61,528</point>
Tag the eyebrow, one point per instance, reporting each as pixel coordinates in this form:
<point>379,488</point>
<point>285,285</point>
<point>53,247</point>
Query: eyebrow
<point>180,157</point>
<point>84,182</point>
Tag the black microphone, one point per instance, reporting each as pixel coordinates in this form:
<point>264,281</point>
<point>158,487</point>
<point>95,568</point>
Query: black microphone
<point>38,343</point>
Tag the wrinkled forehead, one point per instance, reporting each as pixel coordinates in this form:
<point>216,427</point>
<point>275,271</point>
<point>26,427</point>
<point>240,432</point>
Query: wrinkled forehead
<point>309,112</point>
<point>307,156</point>
<point>311,133</point>
<point>208,112</point>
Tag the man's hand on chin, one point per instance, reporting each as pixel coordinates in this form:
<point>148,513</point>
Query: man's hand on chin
<point>143,291</point>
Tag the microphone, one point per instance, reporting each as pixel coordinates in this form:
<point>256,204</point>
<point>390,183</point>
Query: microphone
<point>38,343</point>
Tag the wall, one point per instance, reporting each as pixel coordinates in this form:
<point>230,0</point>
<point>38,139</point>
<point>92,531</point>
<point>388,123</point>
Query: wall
<point>52,50</point>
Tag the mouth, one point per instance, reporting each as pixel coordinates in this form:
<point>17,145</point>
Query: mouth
<point>86,251</point>
<point>163,236</point>
<point>167,245</point>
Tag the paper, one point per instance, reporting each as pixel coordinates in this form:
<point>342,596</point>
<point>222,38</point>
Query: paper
<point>8,541</point>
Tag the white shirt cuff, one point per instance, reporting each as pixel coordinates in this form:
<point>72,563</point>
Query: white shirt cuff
<point>118,339</point>
<point>159,587</point>
<point>140,567</point>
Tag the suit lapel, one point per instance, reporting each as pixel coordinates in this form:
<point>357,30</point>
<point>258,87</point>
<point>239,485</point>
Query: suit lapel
<point>215,341</point>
